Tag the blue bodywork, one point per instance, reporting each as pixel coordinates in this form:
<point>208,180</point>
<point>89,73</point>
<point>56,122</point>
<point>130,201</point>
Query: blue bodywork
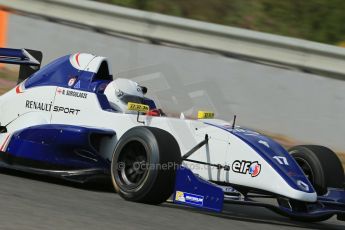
<point>58,147</point>
<point>58,73</point>
<point>193,191</point>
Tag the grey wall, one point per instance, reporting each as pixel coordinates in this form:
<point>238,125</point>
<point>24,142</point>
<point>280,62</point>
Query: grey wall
<point>302,106</point>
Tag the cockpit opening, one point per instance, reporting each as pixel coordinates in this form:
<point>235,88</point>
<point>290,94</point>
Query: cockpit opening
<point>103,72</point>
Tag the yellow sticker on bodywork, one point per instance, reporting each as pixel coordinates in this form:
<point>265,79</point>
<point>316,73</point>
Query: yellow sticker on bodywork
<point>205,115</point>
<point>138,107</point>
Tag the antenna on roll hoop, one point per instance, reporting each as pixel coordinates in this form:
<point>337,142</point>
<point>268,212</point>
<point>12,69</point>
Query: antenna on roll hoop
<point>234,122</point>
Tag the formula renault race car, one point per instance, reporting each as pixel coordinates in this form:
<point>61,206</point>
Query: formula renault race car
<point>73,120</point>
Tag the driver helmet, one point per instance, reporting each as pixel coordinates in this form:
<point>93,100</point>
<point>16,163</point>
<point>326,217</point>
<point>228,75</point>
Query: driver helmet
<point>121,91</point>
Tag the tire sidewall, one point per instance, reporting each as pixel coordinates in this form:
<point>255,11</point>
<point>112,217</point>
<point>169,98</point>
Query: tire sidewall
<point>163,155</point>
<point>147,139</point>
<point>319,182</point>
<point>325,165</point>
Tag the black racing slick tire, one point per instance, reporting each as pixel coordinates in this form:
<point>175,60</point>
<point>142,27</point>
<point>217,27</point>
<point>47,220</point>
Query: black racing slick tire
<point>144,165</point>
<point>321,165</point>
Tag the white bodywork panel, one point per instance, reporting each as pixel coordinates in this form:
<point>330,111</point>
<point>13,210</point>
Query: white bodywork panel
<point>87,62</point>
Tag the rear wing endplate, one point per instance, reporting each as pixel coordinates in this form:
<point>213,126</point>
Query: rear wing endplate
<point>29,60</point>
<point>18,57</point>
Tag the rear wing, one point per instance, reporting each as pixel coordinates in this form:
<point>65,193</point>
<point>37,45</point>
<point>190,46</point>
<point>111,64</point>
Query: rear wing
<point>29,60</point>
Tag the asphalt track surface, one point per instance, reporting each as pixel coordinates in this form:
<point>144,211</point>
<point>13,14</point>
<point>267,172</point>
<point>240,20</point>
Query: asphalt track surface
<point>36,202</point>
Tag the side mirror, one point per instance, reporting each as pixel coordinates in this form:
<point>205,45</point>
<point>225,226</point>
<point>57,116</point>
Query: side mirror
<point>144,89</point>
<point>3,129</point>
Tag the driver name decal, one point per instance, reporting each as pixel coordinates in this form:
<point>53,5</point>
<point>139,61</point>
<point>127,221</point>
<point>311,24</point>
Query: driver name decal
<point>71,93</point>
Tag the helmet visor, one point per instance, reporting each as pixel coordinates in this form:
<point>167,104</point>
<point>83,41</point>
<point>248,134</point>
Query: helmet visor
<point>131,98</point>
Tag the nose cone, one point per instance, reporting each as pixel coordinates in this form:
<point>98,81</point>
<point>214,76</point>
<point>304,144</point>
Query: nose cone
<point>275,155</point>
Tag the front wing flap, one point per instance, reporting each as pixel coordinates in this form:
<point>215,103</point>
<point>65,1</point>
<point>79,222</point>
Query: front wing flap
<point>191,190</point>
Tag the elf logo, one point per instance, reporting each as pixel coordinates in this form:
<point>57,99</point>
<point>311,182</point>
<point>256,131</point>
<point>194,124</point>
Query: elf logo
<point>247,167</point>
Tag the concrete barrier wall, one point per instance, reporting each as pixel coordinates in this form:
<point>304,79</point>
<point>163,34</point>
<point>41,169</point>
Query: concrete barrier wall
<point>305,107</point>
<point>250,45</point>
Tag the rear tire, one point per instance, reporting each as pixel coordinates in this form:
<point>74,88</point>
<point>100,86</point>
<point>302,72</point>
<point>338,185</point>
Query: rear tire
<point>321,165</point>
<point>144,165</point>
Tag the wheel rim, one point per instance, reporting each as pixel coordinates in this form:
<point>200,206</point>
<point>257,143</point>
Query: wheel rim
<point>306,168</point>
<point>132,164</point>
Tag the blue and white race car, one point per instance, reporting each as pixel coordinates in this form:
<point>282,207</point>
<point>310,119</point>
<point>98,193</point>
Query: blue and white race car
<point>73,120</point>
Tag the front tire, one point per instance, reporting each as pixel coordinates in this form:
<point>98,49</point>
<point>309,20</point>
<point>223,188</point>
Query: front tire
<point>144,165</point>
<point>323,169</point>
<point>321,165</point>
